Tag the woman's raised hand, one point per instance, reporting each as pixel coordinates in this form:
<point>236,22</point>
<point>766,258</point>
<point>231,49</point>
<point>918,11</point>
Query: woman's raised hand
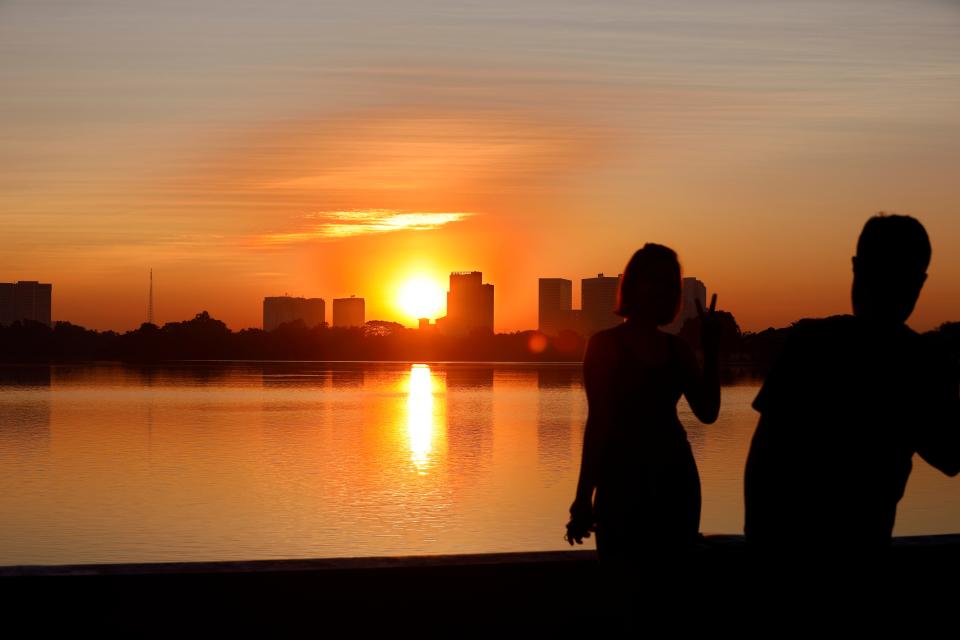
<point>709,326</point>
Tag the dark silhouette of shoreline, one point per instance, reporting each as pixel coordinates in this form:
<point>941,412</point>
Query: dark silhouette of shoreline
<point>206,338</point>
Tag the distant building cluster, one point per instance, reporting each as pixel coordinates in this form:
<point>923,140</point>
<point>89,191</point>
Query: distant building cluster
<point>469,309</point>
<point>598,298</point>
<point>25,300</point>
<point>469,305</point>
<point>280,310</point>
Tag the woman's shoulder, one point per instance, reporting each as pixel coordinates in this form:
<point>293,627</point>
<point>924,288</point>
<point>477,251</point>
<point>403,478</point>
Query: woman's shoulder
<point>614,344</point>
<point>604,345</point>
<point>607,339</point>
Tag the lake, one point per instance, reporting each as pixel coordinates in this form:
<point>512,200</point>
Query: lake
<point>235,461</point>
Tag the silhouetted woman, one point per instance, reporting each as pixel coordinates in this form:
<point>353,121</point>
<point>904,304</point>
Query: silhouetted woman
<point>639,487</point>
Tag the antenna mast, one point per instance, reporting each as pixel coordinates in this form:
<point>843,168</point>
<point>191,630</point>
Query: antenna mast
<point>150,304</point>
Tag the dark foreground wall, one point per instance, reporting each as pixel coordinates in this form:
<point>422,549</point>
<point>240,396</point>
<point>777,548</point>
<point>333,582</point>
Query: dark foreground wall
<point>720,586</point>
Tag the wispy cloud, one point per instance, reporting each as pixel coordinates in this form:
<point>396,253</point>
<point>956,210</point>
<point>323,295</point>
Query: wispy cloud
<point>344,224</point>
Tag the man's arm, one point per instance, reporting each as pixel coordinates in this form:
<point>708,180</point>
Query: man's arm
<point>758,487</point>
<point>939,444</point>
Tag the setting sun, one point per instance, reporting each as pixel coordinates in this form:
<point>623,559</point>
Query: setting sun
<point>421,297</point>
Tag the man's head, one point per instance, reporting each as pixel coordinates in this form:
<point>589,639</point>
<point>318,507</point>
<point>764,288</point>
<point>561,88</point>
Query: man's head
<point>890,267</point>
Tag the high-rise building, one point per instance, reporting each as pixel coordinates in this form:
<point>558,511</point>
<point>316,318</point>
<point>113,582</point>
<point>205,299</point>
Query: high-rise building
<point>469,305</point>
<point>554,306</point>
<point>6,303</point>
<point>693,290</point>
<point>572,320</point>
<point>348,312</point>
<point>25,300</point>
<point>598,300</point>
<point>282,309</point>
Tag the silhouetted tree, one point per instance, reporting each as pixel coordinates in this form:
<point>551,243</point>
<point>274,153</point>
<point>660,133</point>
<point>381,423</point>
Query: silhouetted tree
<point>204,337</point>
<point>382,328</point>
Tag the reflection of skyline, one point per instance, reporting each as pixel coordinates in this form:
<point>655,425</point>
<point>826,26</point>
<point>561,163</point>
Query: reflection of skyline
<point>557,415</point>
<point>470,399</point>
<point>320,375</point>
<point>347,377</point>
<point>469,377</point>
<point>24,416</point>
<point>25,375</point>
<point>559,376</point>
<point>160,374</point>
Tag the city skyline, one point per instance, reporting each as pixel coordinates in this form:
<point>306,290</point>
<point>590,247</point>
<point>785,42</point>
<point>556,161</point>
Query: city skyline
<point>554,306</point>
<point>473,303</point>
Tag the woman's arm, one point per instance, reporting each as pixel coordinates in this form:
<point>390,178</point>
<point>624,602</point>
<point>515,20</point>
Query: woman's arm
<point>598,372</point>
<point>702,388</point>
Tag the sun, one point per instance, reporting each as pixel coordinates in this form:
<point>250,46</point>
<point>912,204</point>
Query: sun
<point>421,297</point>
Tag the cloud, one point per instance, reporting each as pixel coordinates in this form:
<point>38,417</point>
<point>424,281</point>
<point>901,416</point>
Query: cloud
<point>344,224</point>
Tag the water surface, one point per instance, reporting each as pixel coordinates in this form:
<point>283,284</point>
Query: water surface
<point>108,463</point>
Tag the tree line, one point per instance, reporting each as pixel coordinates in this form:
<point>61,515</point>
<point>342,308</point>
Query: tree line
<point>206,338</point>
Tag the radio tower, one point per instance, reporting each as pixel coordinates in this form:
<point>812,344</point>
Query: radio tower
<point>150,303</point>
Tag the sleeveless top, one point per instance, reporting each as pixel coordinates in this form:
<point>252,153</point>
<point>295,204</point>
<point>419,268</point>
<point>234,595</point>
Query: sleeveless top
<point>648,475</point>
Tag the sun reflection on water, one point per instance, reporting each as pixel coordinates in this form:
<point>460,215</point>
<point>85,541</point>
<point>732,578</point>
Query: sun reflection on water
<point>420,416</point>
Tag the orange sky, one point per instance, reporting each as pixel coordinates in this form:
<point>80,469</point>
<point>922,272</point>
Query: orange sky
<point>331,150</point>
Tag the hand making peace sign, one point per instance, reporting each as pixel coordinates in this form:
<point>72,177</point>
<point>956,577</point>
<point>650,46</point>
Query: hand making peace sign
<point>709,326</point>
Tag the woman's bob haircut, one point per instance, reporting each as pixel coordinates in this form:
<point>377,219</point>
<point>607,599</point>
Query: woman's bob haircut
<point>650,288</point>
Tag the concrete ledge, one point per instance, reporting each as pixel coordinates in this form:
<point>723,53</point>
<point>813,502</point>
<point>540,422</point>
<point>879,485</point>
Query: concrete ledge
<point>377,563</point>
<point>719,586</point>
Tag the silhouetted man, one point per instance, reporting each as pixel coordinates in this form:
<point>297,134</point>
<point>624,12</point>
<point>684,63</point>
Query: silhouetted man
<point>848,403</point>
